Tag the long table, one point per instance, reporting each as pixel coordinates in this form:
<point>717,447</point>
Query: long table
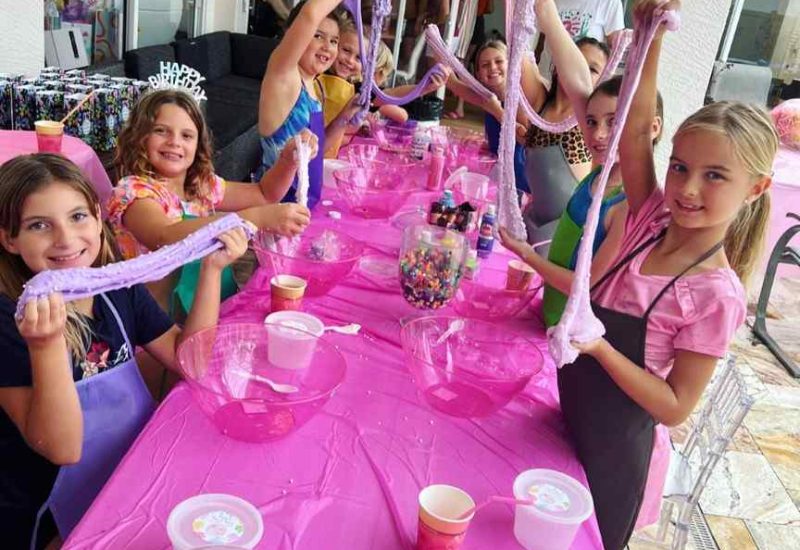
<point>349,478</point>
<point>19,142</point>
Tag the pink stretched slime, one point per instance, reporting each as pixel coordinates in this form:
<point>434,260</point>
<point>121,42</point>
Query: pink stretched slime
<point>578,323</point>
<point>82,282</point>
<point>568,123</point>
<point>509,214</point>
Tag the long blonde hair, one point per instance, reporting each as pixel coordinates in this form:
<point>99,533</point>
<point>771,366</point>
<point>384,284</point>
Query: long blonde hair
<point>19,178</point>
<point>755,142</point>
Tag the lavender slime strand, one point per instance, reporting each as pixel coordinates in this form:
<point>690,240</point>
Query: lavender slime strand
<point>83,282</point>
<point>303,156</point>
<point>443,53</point>
<point>509,214</point>
<point>570,122</point>
<point>381,9</point>
<point>578,322</point>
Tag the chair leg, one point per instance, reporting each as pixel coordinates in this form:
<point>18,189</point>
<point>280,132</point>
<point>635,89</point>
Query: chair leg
<point>664,520</point>
<point>760,325</point>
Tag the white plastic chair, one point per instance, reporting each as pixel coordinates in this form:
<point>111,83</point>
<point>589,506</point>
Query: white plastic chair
<point>727,403</point>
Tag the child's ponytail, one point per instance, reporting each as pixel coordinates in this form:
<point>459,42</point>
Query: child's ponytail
<point>744,241</point>
<point>755,142</point>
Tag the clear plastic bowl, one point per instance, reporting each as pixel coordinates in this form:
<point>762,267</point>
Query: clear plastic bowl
<point>372,193</point>
<point>323,257</point>
<point>474,370</point>
<point>217,363</point>
<point>486,297</point>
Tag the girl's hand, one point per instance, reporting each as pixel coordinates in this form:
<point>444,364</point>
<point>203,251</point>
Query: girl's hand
<point>592,347</point>
<point>235,242</point>
<point>289,152</point>
<point>288,219</point>
<point>43,321</point>
<point>438,80</point>
<point>646,10</point>
<point>521,133</point>
<point>518,247</point>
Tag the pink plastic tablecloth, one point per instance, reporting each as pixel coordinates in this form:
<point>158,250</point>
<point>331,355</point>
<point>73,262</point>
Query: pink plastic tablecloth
<point>18,142</point>
<point>350,477</point>
<point>785,198</point>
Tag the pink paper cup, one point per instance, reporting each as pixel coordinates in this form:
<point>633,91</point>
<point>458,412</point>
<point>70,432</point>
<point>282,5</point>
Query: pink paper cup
<point>286,292</point>
<point>519,275</point>
<point>440,525</point>
<point>49,134</point>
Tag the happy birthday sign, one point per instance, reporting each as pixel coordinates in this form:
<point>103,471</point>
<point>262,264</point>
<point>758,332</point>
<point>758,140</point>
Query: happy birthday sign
<point>177,76</point>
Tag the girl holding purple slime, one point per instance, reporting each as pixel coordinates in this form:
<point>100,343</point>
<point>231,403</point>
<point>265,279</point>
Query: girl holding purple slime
<point>72,397</point>
<point>169,189</point>
<point>291,97</point>
<point>674,296</point>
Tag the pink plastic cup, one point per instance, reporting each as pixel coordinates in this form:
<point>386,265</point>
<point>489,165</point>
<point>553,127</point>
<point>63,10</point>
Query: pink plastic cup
<point>49,135</point>
<point>560,505</point>
<point>441,526</point>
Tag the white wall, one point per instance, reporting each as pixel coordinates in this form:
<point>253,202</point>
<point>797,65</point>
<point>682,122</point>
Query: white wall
<point>686,63</point>
<point>221,15</point>
<point>21,36</point>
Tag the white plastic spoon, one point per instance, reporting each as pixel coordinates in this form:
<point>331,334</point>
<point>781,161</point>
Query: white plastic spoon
<point>350,329</point>
<point>277,387</point>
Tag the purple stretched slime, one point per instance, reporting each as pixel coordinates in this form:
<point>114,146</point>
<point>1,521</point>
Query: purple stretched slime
<point>82,282</point>
<point>578,323</point>
<point>380,10</point>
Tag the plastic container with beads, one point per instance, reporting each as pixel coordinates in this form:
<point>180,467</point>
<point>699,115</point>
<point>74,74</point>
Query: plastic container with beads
<point>431,265</point>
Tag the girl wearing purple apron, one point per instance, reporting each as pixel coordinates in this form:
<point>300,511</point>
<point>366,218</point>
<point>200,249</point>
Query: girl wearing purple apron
<point>72,397</point>
<point>291,98</point>
<point>672,302</point>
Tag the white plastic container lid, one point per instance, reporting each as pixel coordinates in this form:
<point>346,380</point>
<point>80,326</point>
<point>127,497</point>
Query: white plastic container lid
<point>214,520</point>
<point>297,320</point>
<point>556,497</point>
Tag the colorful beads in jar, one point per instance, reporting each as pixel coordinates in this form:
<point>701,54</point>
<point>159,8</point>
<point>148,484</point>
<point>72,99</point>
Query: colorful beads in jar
<point>431,264</point>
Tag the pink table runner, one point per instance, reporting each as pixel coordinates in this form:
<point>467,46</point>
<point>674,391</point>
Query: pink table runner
<point>17,142</point>
<point>349,478</point>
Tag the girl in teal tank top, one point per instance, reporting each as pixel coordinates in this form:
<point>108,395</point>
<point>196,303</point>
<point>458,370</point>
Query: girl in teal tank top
<point>600,111</point>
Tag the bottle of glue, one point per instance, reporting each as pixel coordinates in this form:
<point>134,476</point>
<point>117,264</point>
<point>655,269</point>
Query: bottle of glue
<point>436,168</point>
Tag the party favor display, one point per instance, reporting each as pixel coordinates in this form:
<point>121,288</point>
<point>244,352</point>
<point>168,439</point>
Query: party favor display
<point>106,118</point>
<point>79,124</point>
<point>24,106</point>
<point>49,105</point>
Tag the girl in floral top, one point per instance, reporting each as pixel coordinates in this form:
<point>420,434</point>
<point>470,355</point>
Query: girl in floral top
<point>169,189</point>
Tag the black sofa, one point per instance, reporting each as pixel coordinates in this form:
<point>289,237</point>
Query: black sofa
<point>233,65</point>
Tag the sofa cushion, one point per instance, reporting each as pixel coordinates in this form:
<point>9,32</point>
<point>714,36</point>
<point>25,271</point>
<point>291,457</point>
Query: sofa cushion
<point>234,89</point>
<point>239,158</point>
<point>144,62</point>
<point>249,54</point>
<point>210,54</point>
<point>229,119</point>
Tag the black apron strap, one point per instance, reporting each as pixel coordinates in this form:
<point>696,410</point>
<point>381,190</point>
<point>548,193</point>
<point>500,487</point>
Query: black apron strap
<point>706,255</point>
<point>619,265</point>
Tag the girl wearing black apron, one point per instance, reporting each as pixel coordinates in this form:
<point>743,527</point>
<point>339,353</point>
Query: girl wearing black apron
<point>614,435</point>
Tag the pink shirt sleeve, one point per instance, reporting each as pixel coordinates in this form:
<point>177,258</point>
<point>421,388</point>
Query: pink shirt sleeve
<point>217,191</point>
<point>130,189</point>
<point>712,327</point>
